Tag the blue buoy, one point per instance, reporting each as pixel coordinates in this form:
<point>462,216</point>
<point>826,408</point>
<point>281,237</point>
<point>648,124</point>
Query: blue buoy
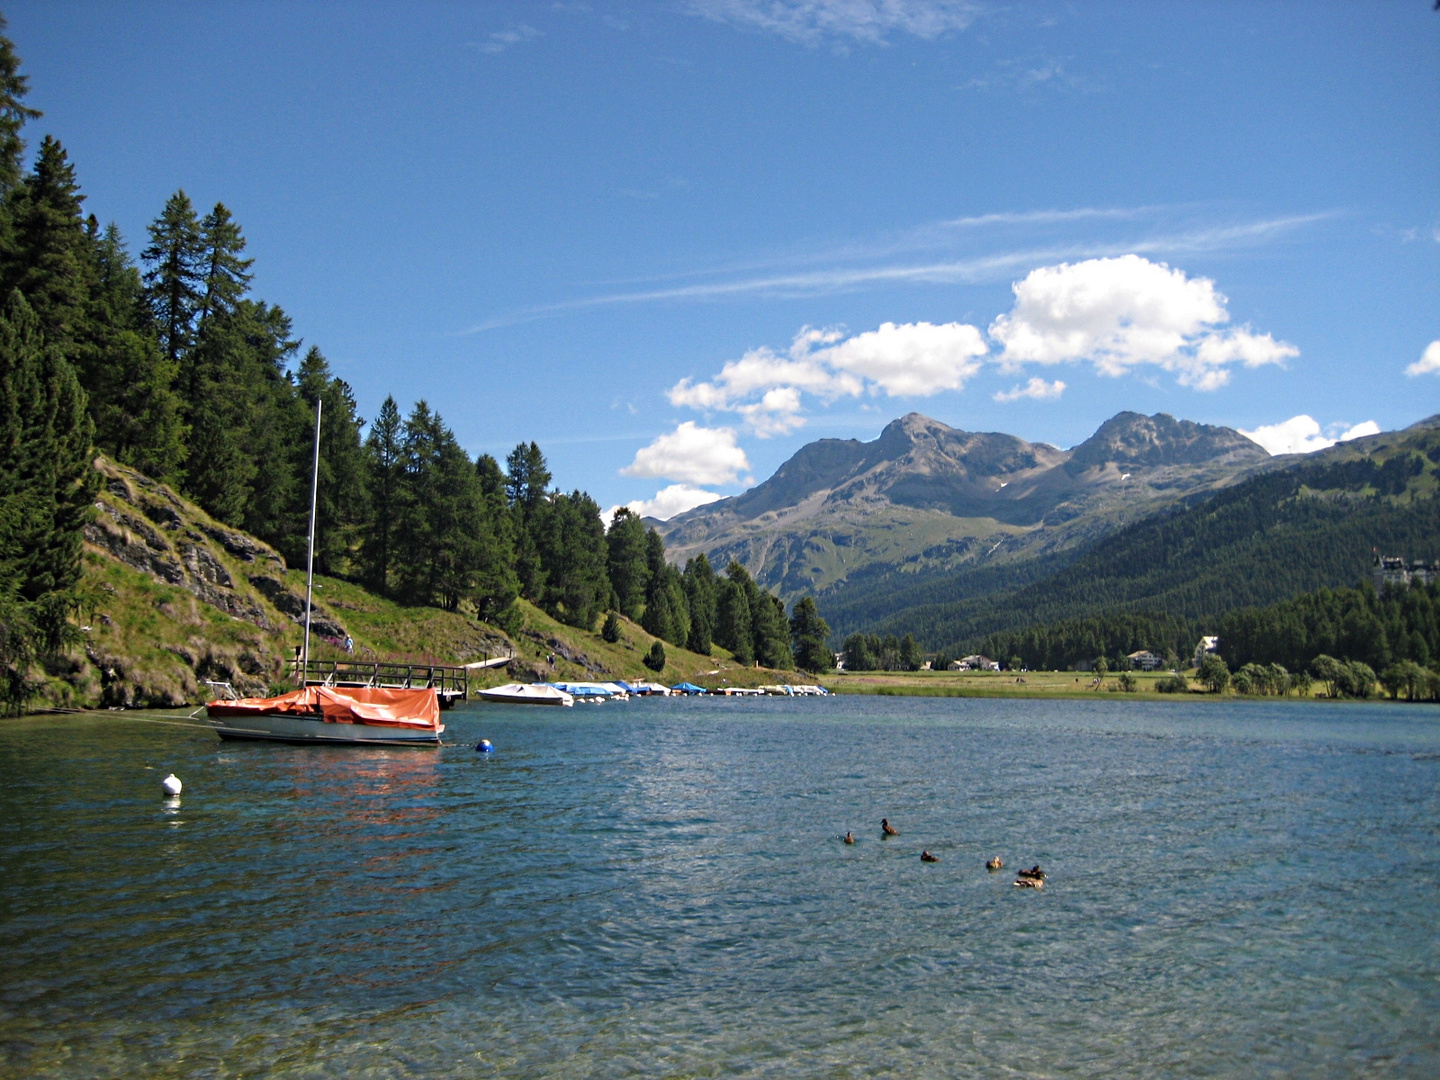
<point>484,747</point>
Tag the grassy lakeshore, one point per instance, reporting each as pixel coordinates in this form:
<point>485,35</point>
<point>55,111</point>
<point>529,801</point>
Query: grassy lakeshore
<point>1029,684</point>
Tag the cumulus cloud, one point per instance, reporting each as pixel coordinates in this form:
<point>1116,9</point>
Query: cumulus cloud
<point>1303,435</point>
<point>1036,388</point>
<point>1123,313</point>
<point>1429,362</point>
<point>810,22</point>
<point>692,455</point>
<point>899,360</point>
<point>668,501</point>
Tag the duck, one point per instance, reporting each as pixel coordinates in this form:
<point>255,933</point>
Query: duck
<point>995,864</point>
<point>887,828</point>
<point>1029,883</point>
<point>1033,874</point>
<point>849,838</point>
<point>925,856</point>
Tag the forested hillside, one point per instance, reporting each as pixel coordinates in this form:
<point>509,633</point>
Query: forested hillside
<point>173,367</point>
<point>1267,539</point>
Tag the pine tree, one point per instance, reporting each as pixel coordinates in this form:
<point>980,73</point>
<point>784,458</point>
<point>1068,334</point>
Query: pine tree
<point>629,572</point>
<point>700,597</point>
<point>47,254</point>
<point>810,635</point>
<point>174,279</point>
<point>570,541</point>
<point>340,500</point>
<point>46,489</point>
<point>526,484</point>
<point>666,612</point>
<point>383,467</point>
<point>732,623</point>
<point>13,115</point>
<point>225,274</point>
<point>129,382</point>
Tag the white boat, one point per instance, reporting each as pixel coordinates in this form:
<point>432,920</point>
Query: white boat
<point>355,716</point>
<point>527,694</point>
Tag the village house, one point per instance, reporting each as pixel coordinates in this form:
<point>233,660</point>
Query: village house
<point>1145,660</point>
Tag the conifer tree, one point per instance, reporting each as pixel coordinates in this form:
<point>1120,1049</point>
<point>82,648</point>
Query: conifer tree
<point>700,597</point>
<point>570,541</point>
<point>46,257</point>
<point>810,635</point>
<point>526,485</point>
<point>225,274</point>
<point>629,571</point>
<point>129,382</point>
<point>383,475</point>
<point>13,115</point>
<point>174,278</point>
<point>46,489</point>
<point>732,622</point>
<point>666,615</point>
<point>340,499</point>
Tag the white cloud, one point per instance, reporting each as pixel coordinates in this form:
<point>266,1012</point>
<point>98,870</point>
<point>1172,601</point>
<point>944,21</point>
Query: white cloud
<point>500,40</point>
<point>669,501</point>
<point>810,22</point>
<point>911,359</point>
<point>1429,362</point>
<point>691,454</point>
<point>1036,388</point>
<point>1123,313</point>
<point>1302,435</point>
<point>900,360</point>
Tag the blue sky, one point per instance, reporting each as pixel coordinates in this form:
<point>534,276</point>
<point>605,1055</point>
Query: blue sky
<point>674,241</point>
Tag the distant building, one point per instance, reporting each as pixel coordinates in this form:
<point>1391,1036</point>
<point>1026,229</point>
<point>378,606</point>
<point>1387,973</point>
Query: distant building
<point>1145,660</point>
<point>839,661</point>
<point>1389,570</point>
<point>1207,644</point>
<point>975,663</point>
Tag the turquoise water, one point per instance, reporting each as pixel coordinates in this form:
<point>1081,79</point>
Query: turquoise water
<point>657,888</point>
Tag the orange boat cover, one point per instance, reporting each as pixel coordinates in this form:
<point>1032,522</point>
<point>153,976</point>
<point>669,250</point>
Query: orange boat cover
<point>388,708</point>
<point>296,701</point>
<point>348,705</point>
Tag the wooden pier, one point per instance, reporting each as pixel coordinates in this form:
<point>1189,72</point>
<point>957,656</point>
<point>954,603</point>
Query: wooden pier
<point>451,684</point>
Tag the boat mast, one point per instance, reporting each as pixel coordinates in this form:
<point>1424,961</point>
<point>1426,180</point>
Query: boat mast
<point>310,554</point>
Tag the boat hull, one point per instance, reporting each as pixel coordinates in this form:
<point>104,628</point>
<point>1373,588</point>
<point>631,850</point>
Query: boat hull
<point>302,729</point>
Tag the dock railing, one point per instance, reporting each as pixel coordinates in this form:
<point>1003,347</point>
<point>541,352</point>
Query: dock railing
<point>451,683</point>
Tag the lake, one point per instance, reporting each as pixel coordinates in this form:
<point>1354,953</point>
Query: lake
<point>658,888</point>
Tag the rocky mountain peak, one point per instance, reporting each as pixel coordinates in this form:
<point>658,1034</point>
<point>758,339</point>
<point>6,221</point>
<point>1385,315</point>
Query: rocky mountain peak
<point>1131,438</point>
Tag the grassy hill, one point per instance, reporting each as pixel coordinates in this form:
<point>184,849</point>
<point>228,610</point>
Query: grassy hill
<point>176,598</point>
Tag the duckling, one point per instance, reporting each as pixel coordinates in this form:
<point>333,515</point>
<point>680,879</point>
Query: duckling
<point>925,856</point>
<point>887,828</point>
<point>1034,873</point>
<point>995,864</point>
<point>849,838</point>
<point>1029,883</point>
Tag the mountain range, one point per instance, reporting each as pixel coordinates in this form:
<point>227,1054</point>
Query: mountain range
<point>887,533</point>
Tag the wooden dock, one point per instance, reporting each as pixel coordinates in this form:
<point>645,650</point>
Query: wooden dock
<point>451,684</point>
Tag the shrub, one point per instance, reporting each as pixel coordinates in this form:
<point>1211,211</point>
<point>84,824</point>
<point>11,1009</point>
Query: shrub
<point>611,630</point>
<point>1127,682</point>
<point>655,658</point>
<point>1214,673</point>
<point>1173,684</point>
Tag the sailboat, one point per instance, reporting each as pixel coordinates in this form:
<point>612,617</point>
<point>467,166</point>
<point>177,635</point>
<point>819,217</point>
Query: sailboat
<point>356,716</point>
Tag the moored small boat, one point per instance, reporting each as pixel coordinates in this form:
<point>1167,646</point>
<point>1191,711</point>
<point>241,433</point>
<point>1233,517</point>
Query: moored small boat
<point>527,694</point>
<point>355,716</point>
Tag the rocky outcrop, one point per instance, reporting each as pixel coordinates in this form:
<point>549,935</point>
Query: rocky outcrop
<point>293,604</point>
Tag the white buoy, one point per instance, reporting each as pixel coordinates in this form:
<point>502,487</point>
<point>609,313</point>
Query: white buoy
<point>171,784</point>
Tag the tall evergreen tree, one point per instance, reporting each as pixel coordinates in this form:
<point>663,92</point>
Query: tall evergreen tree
<point>174,279</point>
<point>47,254</point>
<point>384,467</point>
<point>526,485</point>
<point>810,635</point>
<point>46,490</point>
<point>627,565</point>
<point>570,540</point>
<point>13,115</point>
<point>700,598</point>
<point>666,611</point>
<point>225,274</point>
<point>340,500</point>
<point>129,382</point>
<point>732,622</point>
